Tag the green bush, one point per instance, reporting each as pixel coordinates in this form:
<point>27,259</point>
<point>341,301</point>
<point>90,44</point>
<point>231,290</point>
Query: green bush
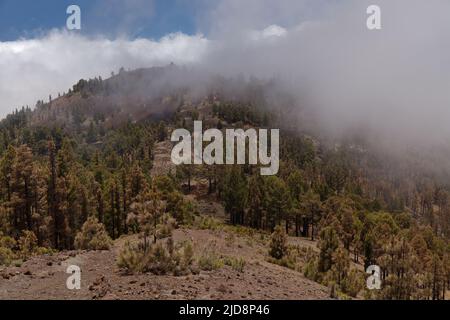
<point>14,252</point>
<point>6,256</point>
<point>209,260</point>
<point>130,258</point>
<point>181,209</point>
<point>163,257</point>
<point>7,242</point>
<point>237,264</point>
<point>27,244</point>
<point>93,236</point>
<point>311,269</point>
<point>278,243</point>
<point>207,223</point>
<point>353,283</point>
<point>165,229</point>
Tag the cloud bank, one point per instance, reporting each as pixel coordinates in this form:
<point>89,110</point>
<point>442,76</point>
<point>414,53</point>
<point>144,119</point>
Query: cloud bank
<point>392,82</point>
<point>33,69</point>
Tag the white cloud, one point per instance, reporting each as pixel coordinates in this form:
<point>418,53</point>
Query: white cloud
<point>391,82</point>
<point>272,31</point>
<point>33,69</point>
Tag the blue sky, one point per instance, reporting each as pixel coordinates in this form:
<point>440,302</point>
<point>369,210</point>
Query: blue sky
<point>149,18</point>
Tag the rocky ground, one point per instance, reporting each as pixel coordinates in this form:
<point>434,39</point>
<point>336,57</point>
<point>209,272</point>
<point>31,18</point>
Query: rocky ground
<point>44,277</point>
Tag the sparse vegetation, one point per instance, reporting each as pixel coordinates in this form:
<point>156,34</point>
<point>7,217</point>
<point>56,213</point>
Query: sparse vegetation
<point>207,223</point>
<point>278,243</point>
<point>93,236</point>
<point>237,264</point>
<point>15,252</point>
<point>209,259</point>
<point>160,258</point>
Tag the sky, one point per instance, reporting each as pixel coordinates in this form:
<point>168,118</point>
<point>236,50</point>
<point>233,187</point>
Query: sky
<point>136,18</point>
<point>39,56</point>
<point>392,81</point>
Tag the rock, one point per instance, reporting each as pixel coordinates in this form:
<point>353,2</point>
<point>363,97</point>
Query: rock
<point>27,273</point>
<point>222,288</point>
<point>98,281</point>
<point>6,276</point>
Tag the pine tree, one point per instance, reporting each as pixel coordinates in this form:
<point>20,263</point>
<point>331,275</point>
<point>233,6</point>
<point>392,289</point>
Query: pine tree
<point>256,201</point>
<point>340,265</point>
<point>51,193</point>
<point>21,196</point>
<point>328,244</point>
<point>235,195</point>
<point>278,202</point>
<point>146,214</point>
<point>6,172</point>
<point>278,243</point>
<point>312,210</point>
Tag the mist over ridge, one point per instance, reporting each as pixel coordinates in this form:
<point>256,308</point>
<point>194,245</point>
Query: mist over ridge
<point>390,83</point>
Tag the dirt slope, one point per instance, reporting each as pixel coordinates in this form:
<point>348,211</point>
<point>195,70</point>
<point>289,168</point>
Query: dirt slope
<point>45,277</point>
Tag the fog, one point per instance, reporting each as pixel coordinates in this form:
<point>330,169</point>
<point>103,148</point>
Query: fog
<point>391,83</point>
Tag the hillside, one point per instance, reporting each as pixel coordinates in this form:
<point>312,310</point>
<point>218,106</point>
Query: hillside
<point>87,179</point>
<point>44,277</point>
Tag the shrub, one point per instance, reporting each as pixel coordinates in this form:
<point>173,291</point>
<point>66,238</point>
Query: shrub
<point>286,262</point>
<point>207,223</point>
<point>353,283</point>
<point>27,244</point>
<point>159,258</point>
<point>130,258</point>
<point>7,242</point>
<point>165,185</point>
<point>311,270</point>
<point>44,250</point>
<point>165,229</point>
<point>188,254</point>
<point>93,236</point>
<point>181,209</point>
<point>237,264</point>
<point>6,256</point>
<point>17,263</point>
<point>278,243</point>
<point>209,259</point>
<point>14,252</point>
